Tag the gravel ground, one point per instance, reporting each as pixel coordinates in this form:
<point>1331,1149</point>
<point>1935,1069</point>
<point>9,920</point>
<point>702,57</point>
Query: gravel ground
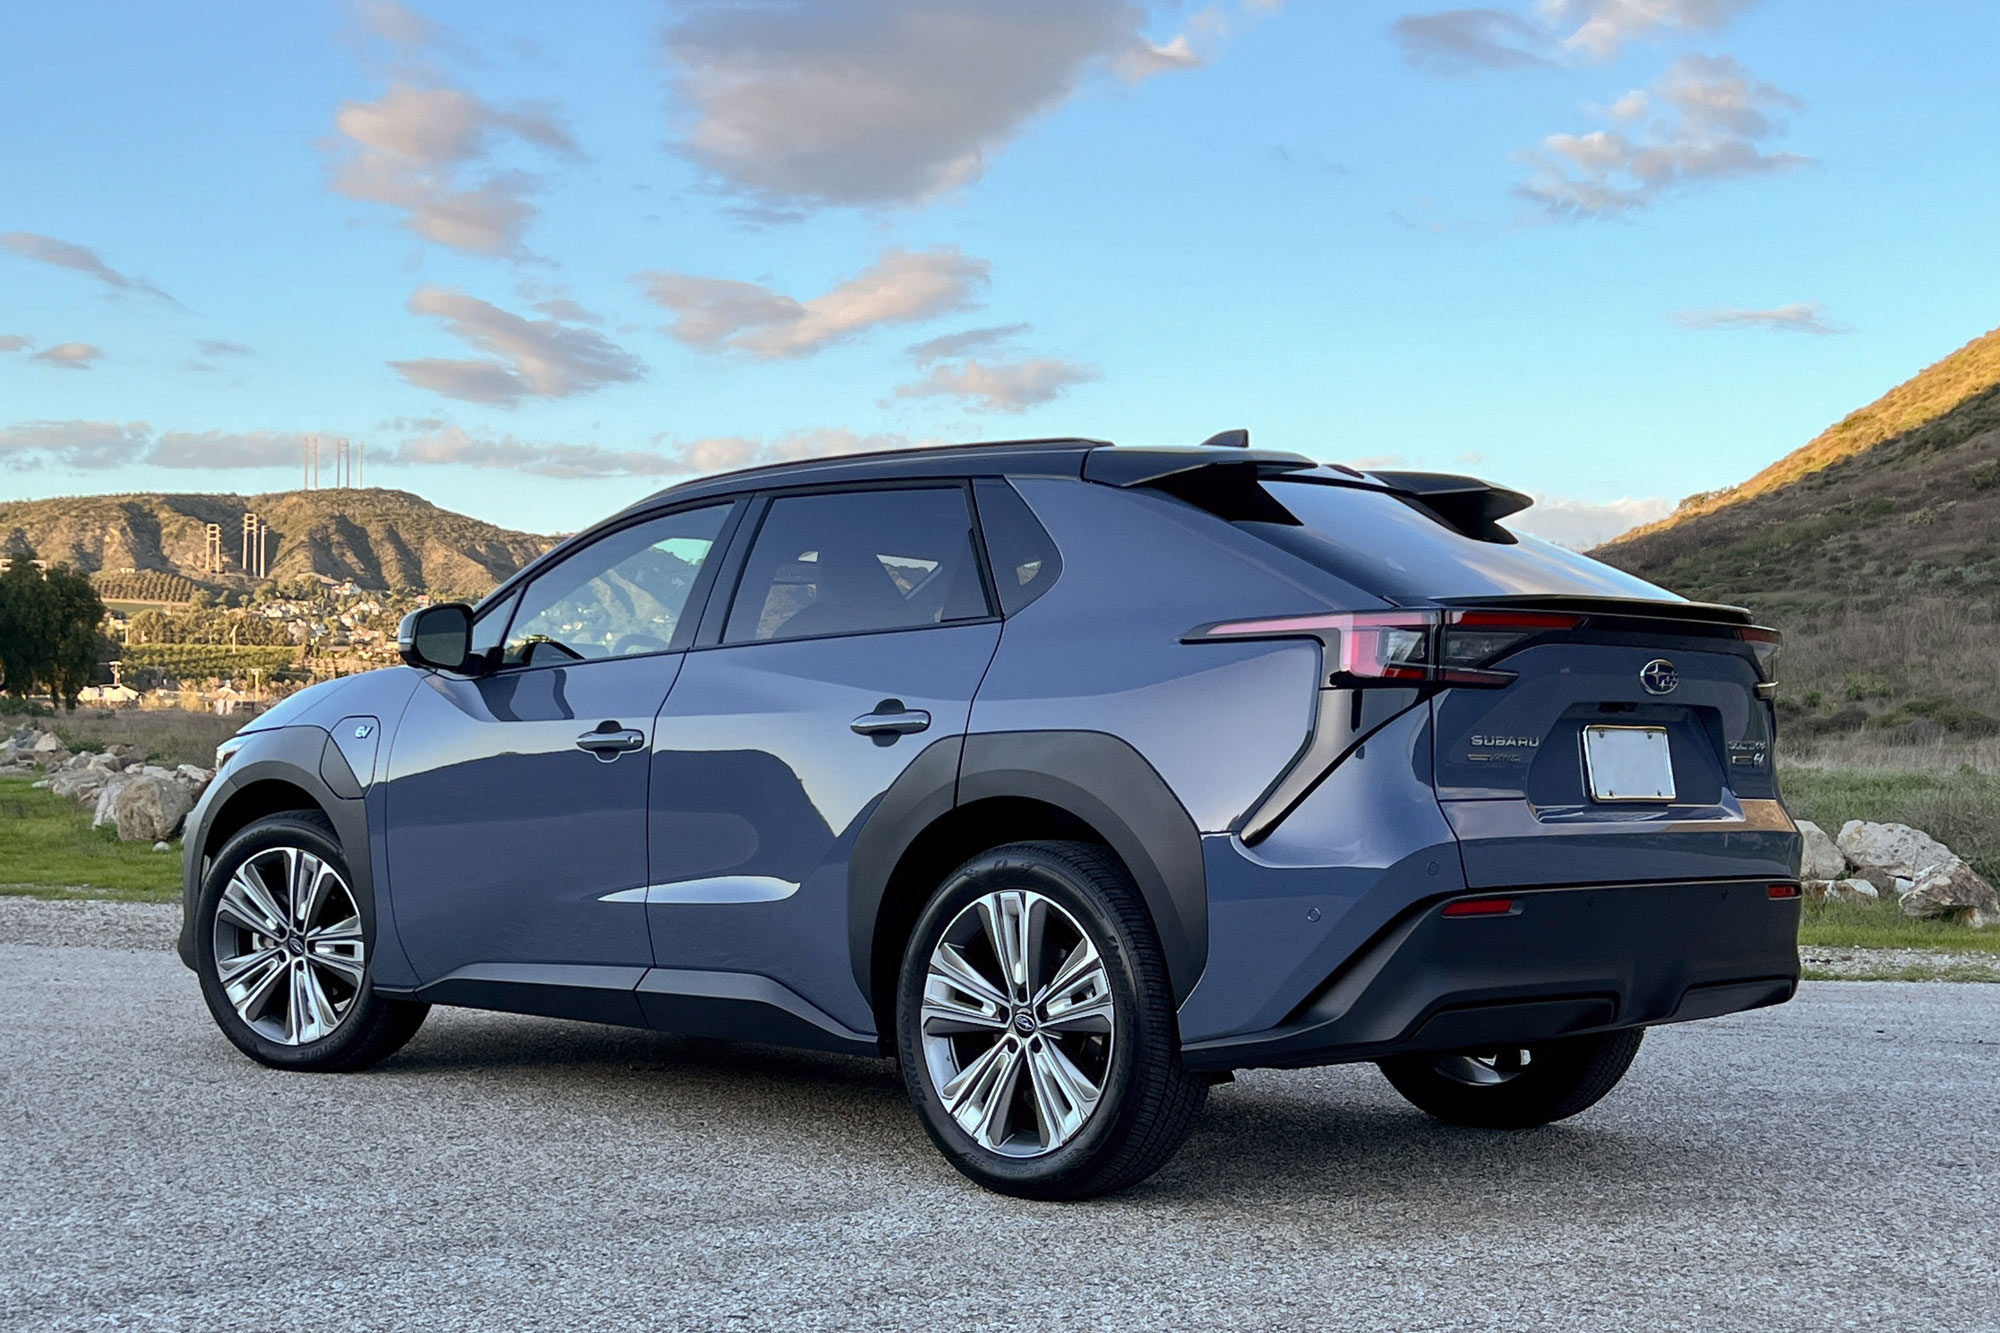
<point>1827,1164</point>
<point>1829,962</point>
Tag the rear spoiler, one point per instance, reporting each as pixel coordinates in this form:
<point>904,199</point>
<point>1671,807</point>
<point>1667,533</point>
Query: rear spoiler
<point>1466,505</point>
<point>1622,608</point>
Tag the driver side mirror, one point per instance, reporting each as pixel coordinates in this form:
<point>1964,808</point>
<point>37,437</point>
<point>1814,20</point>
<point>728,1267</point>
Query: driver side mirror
<point>437,637</point>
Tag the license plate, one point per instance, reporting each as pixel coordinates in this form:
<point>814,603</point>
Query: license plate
<point>1628,763</point>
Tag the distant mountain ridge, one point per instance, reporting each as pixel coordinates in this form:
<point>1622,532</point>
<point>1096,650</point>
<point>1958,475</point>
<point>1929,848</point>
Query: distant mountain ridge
<point>374,537</point>
<point>1901,497</point>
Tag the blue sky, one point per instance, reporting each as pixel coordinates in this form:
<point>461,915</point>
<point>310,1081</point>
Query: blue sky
<point>541,261</point>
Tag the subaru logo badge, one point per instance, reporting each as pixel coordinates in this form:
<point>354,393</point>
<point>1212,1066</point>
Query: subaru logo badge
<point>1659,676</point>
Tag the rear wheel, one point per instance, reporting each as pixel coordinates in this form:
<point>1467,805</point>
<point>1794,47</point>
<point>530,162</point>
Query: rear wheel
<point>1036,1028</point>
<point>1516,1087</point>
<point>283,941</point>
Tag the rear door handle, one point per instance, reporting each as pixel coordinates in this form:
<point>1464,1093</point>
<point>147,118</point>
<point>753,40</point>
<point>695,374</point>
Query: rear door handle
<point>890,720</point>
<point>610,740</point>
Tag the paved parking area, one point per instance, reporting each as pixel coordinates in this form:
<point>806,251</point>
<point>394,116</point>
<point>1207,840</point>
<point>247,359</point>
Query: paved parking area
<point>1829,1164</point>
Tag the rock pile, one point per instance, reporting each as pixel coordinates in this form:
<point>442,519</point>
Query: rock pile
<point>144,802</point>
<point>1868,861</point>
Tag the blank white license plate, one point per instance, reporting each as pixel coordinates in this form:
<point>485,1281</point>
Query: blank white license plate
<point>1628,763</point>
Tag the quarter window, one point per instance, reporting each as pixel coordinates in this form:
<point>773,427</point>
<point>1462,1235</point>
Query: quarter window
<point>858,561</point>
<point>621,596</point>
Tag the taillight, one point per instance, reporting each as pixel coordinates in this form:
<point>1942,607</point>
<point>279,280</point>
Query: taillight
<point>1472,638</point>
<point>1779,892</point>
<point>1765,644</point>
<point>1401,647</point>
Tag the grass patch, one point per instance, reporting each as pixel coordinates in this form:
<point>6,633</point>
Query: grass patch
<point>49,850</point>
<point>1883,926</point>
<point>166,735</point>
<point>1911,972</point>
<point>1959,807</point>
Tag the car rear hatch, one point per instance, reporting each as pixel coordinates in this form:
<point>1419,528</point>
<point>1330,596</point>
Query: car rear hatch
<point>1617,741</point>
<point>1587,726</point>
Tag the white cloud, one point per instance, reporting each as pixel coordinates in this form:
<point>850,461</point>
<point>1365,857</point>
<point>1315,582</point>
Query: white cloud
<point>1002,387</point>
<point>958,344</point>
<point>1799,317</point>
<point>419,150</point>
<point>538,358</point>
<point>452,446</point>
<point>1461,41</point>
<point>95,445</point>
<point>13,342</point>
<point>1716,112</point>
<point>1582,524</point>
<point>70,356</point>
<point>1603,26</point>
<point>811,102</point>
<point>904,286</point>
<point>81,258</point>
<point>222,347</point>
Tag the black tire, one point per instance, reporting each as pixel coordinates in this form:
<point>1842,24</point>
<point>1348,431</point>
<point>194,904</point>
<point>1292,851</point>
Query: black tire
<point>370,1028</point>
<point>1148,1102</point>
<point>1558,1079</point>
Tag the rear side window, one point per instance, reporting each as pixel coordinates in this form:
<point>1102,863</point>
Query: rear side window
<point>1384,546</point>
<point>1024,558</point>
<point>859,561</point>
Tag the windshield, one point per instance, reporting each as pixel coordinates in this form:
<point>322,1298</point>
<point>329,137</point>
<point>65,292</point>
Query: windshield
<point>1379,543</point>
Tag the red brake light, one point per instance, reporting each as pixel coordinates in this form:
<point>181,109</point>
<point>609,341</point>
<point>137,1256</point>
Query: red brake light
<point>1363,646</point>
<point>1783,891</point>
<point>1765,644</point>
<point>1479,907</point>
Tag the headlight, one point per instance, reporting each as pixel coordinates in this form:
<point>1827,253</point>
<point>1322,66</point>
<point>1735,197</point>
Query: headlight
<point>227,750</point>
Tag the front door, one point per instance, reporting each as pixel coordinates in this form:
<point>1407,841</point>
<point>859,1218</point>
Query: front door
<point>858,634</point>
<point>517,799</point>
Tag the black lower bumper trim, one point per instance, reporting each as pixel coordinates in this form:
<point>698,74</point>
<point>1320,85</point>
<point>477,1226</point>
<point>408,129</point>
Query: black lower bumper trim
<point>1564,962</point>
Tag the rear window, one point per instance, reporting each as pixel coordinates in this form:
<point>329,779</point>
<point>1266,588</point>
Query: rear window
<point>1380,544</point>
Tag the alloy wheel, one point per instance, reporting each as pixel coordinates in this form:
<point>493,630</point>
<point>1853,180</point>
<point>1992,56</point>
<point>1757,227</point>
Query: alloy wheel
<point>1487,1068</point>
<point>288,946</point>
<point>1018,1023</point>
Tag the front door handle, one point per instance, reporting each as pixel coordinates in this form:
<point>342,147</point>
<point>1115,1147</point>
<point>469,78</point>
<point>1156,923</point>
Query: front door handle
<point>890,720</point>
<point>610,740</point>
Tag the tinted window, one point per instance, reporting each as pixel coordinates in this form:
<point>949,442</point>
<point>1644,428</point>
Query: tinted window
<point>1024,559</point>
<point>619,596</point>
<point>1378,543</point>
<point>856,561</point>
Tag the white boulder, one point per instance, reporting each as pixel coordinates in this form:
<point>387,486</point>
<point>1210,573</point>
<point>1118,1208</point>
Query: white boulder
<point>1956,890</point>
<point>1882,854</point>
<point>107,801</point>
<point>151,806</point>
<point>1823,859</point>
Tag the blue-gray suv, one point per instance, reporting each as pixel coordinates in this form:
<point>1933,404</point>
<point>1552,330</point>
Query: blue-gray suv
<point>1072,777</point>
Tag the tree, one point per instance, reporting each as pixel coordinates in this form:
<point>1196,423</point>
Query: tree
<point>50,629</point>
<point>26,646</point>
<point>77,644</point>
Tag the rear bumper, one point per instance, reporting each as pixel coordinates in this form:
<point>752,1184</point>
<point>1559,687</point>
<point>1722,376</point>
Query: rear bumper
<point>1561,963</point>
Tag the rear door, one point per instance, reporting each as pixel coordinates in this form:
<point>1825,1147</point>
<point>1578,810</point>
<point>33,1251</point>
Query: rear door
<point>858,630</point>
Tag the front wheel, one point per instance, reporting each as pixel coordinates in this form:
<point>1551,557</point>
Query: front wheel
<point>1035,1022</point>
<point>1516,1087</point>
<point>282,945</point>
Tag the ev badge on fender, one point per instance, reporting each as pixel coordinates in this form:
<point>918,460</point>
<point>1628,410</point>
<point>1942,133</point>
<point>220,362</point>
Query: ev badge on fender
<point>1659,676</point>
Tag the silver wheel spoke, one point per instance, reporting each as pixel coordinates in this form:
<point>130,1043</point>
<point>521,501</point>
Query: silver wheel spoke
<point>1004,916</point>
<point>246,899</point>
<point>349,969</point>
<point>1064,1097</point>
<point>1083,1005</point>
<point>979,1096</point>
<point>320,883</point>
<point>252,988</point>
<point>950,964</point>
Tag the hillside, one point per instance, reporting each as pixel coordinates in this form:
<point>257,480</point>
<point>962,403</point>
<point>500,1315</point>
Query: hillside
<point>1876,548</point>
<point>377,538</point>
<point>1900,497</point>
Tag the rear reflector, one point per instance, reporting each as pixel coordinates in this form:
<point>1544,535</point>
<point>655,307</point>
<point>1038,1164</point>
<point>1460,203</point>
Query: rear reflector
<point>1783,891</point>
<point>1480,907</point>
